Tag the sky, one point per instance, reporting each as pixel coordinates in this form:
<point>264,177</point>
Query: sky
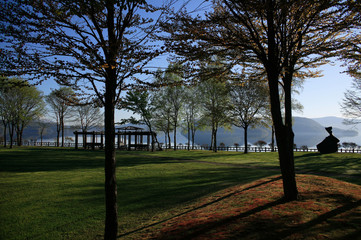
<point>320,97</point>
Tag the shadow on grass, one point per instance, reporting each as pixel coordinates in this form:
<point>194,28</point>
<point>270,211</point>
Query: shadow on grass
<point>41,159</point>
<point>208,204</point>
<point>343,166</point>
<point>265,221</point>
<point>323,218</point>
<point>61,159</point>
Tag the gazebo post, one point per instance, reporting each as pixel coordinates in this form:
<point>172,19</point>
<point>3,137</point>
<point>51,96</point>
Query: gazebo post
<point>129,141</point>
<point>101,140</point>
<point>148,141</point>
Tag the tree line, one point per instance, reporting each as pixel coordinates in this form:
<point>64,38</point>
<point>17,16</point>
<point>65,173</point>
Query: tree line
<point>104,46</point>
<point>22,104</point>
<point>206,102</point>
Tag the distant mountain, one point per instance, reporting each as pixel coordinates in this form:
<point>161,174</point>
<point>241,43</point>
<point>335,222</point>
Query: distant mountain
<point>332,121</point>
<point>31,132</point>
<point>307,132</point>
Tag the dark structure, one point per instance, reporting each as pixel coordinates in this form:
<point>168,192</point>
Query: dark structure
<point>131,137</point>
<point>127,138</point>
<point>329,144</point>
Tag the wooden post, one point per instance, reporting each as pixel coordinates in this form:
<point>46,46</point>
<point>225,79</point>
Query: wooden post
<point>148,141</point>
<point>129,141</point>
<point>93,146</point>
<point>118,140</point>
<point>101,139</point>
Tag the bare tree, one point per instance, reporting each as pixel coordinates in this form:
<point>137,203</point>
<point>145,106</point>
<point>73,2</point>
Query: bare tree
<point>61,107</point>
<point>88,116</point>
<point>43,126</point>
<point>250,103</point>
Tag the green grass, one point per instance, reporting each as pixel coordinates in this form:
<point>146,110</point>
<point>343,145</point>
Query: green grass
<point>49,193</point>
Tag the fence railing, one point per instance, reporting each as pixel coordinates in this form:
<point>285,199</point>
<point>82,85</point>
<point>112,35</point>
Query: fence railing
<point>263,149</point>
<point>185,147</point>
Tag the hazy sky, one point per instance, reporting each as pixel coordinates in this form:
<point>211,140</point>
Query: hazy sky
<point>321,97</point>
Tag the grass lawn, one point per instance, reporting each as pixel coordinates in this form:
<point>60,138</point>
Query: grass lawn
<point>49,193</point>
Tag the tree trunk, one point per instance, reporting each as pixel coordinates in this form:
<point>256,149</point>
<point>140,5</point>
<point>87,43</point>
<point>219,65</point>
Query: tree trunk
<point>111,210</point>
<point>62,132</point>
<point>11,134</point>
<point>284,138</point>
<point>175,137</point>
<point>189,135</point>
<point>284,133</point>
<point>245,138</point>
<point>215,139</point>
<point>273,139</point>
<point>193,135</point>
<point>5,125</point>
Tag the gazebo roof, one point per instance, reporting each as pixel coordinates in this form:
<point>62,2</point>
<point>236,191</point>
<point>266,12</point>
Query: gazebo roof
<point>130,128</point>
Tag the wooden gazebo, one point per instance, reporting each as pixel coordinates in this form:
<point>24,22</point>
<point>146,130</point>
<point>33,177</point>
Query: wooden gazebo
<point>132,137</point>
<point>127,138</point>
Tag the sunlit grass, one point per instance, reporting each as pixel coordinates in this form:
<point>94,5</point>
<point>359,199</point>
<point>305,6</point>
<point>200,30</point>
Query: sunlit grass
<point>50,193</point>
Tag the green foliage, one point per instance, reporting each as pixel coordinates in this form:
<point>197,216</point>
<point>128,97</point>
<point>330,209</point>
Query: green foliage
<point>20,103</point>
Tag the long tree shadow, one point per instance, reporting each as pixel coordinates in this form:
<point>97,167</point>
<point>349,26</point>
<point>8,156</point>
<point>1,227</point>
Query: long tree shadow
<point>211,203</point>
<point>320,219</point>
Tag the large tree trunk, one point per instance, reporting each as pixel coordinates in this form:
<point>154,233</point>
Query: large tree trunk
<point>215,139</point>
<point>285,139</point>
<point>111,209</point>
<point>284,133</point>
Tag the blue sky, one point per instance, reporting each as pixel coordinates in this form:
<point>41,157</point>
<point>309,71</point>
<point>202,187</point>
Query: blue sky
<point>320,97</point>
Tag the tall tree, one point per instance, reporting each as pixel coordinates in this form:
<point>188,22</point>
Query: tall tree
<point>60,103</point>
<point>171,92</point>
<point>92,45</point>
<point>192,112</point>
<point>249,99</point>
<point>281,36</point>
<point>42,129</point>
